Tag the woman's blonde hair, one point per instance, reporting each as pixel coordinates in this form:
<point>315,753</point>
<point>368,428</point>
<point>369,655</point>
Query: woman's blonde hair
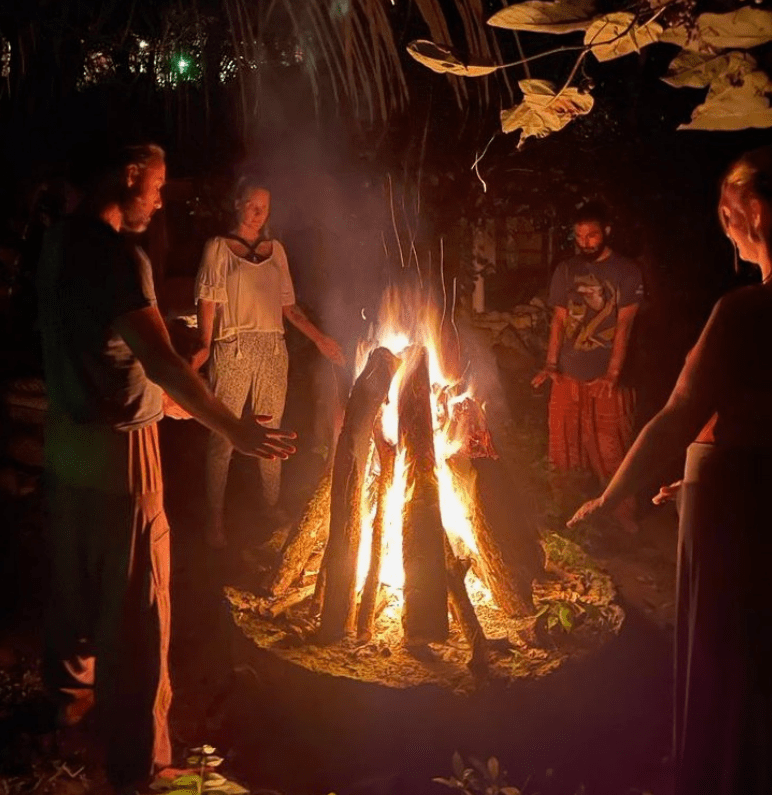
<point>749,177</point>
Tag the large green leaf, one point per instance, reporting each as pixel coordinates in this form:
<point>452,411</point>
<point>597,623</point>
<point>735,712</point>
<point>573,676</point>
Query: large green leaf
<point>744,28</point>
<point>615,35</point>
<point>442,59</point>
<point>734,107</point>
<point>546,16</point>
<point>698,70</point>
<point>543,110</point>
<point>186,781</point>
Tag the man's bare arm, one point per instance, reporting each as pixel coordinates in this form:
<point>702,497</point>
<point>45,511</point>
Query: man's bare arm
<point>205,314</point>
<point>553,348</point>
<point>145,333</point>
<point>621,339</point>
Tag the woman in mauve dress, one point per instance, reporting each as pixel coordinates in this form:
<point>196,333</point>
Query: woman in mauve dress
<point>723,687</point>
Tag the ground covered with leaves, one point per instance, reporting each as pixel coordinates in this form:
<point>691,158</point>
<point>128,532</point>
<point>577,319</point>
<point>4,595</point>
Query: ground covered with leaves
<point>599,720</point>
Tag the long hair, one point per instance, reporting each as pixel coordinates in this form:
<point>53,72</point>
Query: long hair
<point>749,177</point>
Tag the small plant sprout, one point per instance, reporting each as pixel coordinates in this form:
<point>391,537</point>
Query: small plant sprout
<point>478,778</point>
<point>206,781</point>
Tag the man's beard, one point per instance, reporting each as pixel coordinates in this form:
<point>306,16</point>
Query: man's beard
<point>135,219</point>
<point>592,255</point>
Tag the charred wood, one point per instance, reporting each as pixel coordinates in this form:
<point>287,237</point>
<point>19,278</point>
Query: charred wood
<point>367,603</point>
<point>310,532</point>
<point>507,537</point>
<point>425,610</point>
<point>463,611</point>
<point>340,558</point>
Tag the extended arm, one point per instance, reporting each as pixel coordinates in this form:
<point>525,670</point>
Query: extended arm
<point>205,313</point>
<point>690,406</point>
<point>622,333</point>
<point>326,345</point>
<point>145,333</point>
<point>553,348</point>
<point>621,339</point>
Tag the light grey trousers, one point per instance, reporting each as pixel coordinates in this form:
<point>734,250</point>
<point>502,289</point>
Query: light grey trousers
<point>248,376</point>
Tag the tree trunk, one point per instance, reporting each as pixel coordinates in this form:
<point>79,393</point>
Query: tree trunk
<point>425,610</point>
<point>340,557</point>
<point>463,611</point>
<point>367,603</point>
<point>310,532</point>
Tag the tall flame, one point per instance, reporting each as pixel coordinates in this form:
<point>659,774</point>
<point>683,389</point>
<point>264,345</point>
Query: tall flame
<point>407,319</point>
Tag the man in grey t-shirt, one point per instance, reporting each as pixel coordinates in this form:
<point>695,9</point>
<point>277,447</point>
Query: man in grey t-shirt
<point>595,296</point>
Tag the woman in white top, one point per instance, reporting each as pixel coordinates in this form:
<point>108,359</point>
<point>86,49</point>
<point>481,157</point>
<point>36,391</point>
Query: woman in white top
<point>244,291</point>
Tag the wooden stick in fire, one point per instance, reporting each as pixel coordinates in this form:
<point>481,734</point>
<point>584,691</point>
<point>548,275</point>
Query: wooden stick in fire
<point>503,522</point>
<point>463,611</point>
<point>367,603</point>
<point>310,531</point>
<point>425,610</point>
<point>507,538</point>
<point>340,557</point>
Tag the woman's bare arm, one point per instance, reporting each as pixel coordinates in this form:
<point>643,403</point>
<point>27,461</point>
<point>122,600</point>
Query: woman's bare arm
<point>691,404</point>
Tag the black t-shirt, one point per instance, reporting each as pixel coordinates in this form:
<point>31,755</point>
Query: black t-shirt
<point>88,276</point>
<point>731,367</point>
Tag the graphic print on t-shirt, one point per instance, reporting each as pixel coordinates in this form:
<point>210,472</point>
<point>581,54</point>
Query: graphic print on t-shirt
<point>591,304</point>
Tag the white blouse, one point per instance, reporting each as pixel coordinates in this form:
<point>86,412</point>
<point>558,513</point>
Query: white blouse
<point>249,295</point>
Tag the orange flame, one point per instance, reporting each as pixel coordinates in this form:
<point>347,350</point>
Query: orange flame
<point>406,319</point>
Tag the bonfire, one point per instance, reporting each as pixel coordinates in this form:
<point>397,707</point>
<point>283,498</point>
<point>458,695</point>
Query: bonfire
<point>416,535</point>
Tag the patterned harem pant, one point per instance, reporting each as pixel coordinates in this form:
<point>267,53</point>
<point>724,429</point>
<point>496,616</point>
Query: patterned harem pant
<point>590,430</point>
<point>246,375</point>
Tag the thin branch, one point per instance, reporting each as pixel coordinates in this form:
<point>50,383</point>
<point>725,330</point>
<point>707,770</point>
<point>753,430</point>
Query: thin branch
<point>475,165</point>
<point>526,68</point>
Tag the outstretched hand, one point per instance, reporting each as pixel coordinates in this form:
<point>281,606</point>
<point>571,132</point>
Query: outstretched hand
<point>544,375</point>
<point>667,493</point>
<point>252,437</point>
<point>587,510</point>
<point>329,348</point>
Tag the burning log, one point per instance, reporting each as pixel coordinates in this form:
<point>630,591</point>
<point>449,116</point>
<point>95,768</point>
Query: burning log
<point>285,602</point>
<point>463,611</point>
<point>310,531</point>
<point>425,611</point>
<point>367,603</point>
<point>507,538</point>
<point>340,557</point>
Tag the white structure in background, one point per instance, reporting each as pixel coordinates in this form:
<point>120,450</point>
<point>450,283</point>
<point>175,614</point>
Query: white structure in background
<point>483,256</point>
